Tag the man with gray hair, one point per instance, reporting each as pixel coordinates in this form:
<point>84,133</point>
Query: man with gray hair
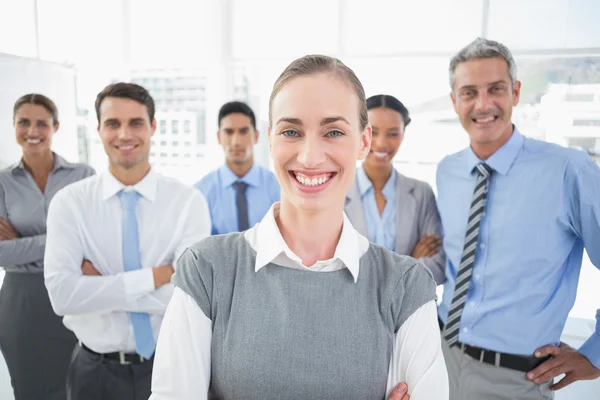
<point>517,214</point>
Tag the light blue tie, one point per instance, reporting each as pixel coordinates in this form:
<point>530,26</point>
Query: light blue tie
<point>142,328</point>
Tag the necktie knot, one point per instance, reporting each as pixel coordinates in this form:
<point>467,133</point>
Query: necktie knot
<point>129,199</point>
<point>240,187</point>
<point>484,170</point>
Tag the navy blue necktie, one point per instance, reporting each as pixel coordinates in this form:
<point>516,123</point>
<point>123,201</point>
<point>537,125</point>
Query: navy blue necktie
<point>242,205</point>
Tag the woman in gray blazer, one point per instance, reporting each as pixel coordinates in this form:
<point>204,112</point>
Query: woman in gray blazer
<point>387,207</point>
<point>34,342</point>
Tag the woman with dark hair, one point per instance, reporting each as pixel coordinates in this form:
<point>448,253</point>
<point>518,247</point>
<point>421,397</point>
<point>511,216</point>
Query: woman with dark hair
<point>387,207</point>
<point>35,344</point>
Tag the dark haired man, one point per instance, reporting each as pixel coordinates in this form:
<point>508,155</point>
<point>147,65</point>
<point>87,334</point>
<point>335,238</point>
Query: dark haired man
<point>112,245</point>
<point>240,192</point>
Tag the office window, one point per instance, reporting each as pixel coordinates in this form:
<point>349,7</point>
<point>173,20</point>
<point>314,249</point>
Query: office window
<point>579,97</point>
<point>175,143</point>
<point>187,126</point>
<point>174,127</point>
<point>163,127</point>
<point>16,18</point>
<point>586,122</point>
<point>321,37</point>
<point>545,24</point>
<point>175,155</point>
<point>163,143</point>
<point>86,32</point>
<point>405,26</point>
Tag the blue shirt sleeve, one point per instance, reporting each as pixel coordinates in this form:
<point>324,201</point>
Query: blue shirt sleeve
<point>591,348</point>
<point>583,190</point>
<point>204,185</point>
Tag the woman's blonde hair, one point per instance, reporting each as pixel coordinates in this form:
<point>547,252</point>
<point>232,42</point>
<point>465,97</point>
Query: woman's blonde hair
<point>314,64</point>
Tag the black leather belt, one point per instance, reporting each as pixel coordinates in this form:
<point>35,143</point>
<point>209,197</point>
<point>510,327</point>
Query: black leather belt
<point>120,357</point>
<point>505,360</point>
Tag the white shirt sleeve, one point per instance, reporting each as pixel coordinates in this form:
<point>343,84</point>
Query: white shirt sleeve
<point>182,364</point>
<point>198,224</point>
<point>417,358</point>
<point>197,227</point>
<point>69,290</point>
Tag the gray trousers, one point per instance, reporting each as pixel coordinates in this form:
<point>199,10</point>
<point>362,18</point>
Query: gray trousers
<point>471,380</point>
<point>91,377</point>
<point>36,345</point>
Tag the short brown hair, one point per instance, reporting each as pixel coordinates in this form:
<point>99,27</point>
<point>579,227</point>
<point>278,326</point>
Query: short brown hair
<point>125,90</point>
<point>313,64</point>
<point>39,100</point>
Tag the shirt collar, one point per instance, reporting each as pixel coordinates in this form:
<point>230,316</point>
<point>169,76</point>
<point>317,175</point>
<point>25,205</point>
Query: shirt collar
<point>59,163</point>
<point>503,158</point>
<point>147,187</point>
<point>252,177</point>
<point>364,183</point>
<point>271,244</point>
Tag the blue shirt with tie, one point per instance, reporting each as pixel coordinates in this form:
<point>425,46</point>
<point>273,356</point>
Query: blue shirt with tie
<point>218,188</point>
<point>381,227</point>
<point>543,209</point>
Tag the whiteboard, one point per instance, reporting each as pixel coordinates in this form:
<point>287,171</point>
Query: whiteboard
<point>21,75</point>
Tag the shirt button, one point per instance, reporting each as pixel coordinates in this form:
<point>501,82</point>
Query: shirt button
<point>472,304</point>
<point>465,330</point>
<point>477,277</point>
<point>482,245</point>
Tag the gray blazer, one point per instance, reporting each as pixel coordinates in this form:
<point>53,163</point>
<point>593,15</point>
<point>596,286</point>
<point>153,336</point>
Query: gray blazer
<point>416,215</point>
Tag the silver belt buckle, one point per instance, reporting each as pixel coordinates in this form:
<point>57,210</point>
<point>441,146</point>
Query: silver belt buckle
<point>122,359</point>
<point>496,357</point>
<point>462,348</point>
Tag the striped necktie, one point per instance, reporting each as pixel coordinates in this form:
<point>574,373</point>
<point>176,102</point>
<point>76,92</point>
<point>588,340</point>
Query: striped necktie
<point>467,261</point>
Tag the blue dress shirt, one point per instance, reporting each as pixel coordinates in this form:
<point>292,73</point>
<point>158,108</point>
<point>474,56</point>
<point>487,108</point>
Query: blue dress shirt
<point>262,191</point>
<point>381,227</point>
<point>543,209</point>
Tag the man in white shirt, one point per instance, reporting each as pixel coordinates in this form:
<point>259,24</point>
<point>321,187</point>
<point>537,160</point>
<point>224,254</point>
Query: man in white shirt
<point>112,246</point>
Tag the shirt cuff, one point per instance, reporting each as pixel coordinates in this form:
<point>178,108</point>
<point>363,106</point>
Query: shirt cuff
<point>138,283</point>
<point>591,348</point>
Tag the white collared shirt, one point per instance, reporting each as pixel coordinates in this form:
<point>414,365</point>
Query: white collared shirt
<point>182,365</point>
<point>85,223</point>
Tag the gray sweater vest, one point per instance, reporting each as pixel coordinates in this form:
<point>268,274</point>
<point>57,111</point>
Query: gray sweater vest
<point>282,333</point>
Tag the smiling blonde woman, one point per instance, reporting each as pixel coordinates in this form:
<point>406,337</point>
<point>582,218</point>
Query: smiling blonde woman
<point>302,306</point>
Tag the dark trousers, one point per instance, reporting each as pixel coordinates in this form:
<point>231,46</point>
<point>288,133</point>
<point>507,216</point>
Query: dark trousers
<point>34,342</point>
<point>93,377</point>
